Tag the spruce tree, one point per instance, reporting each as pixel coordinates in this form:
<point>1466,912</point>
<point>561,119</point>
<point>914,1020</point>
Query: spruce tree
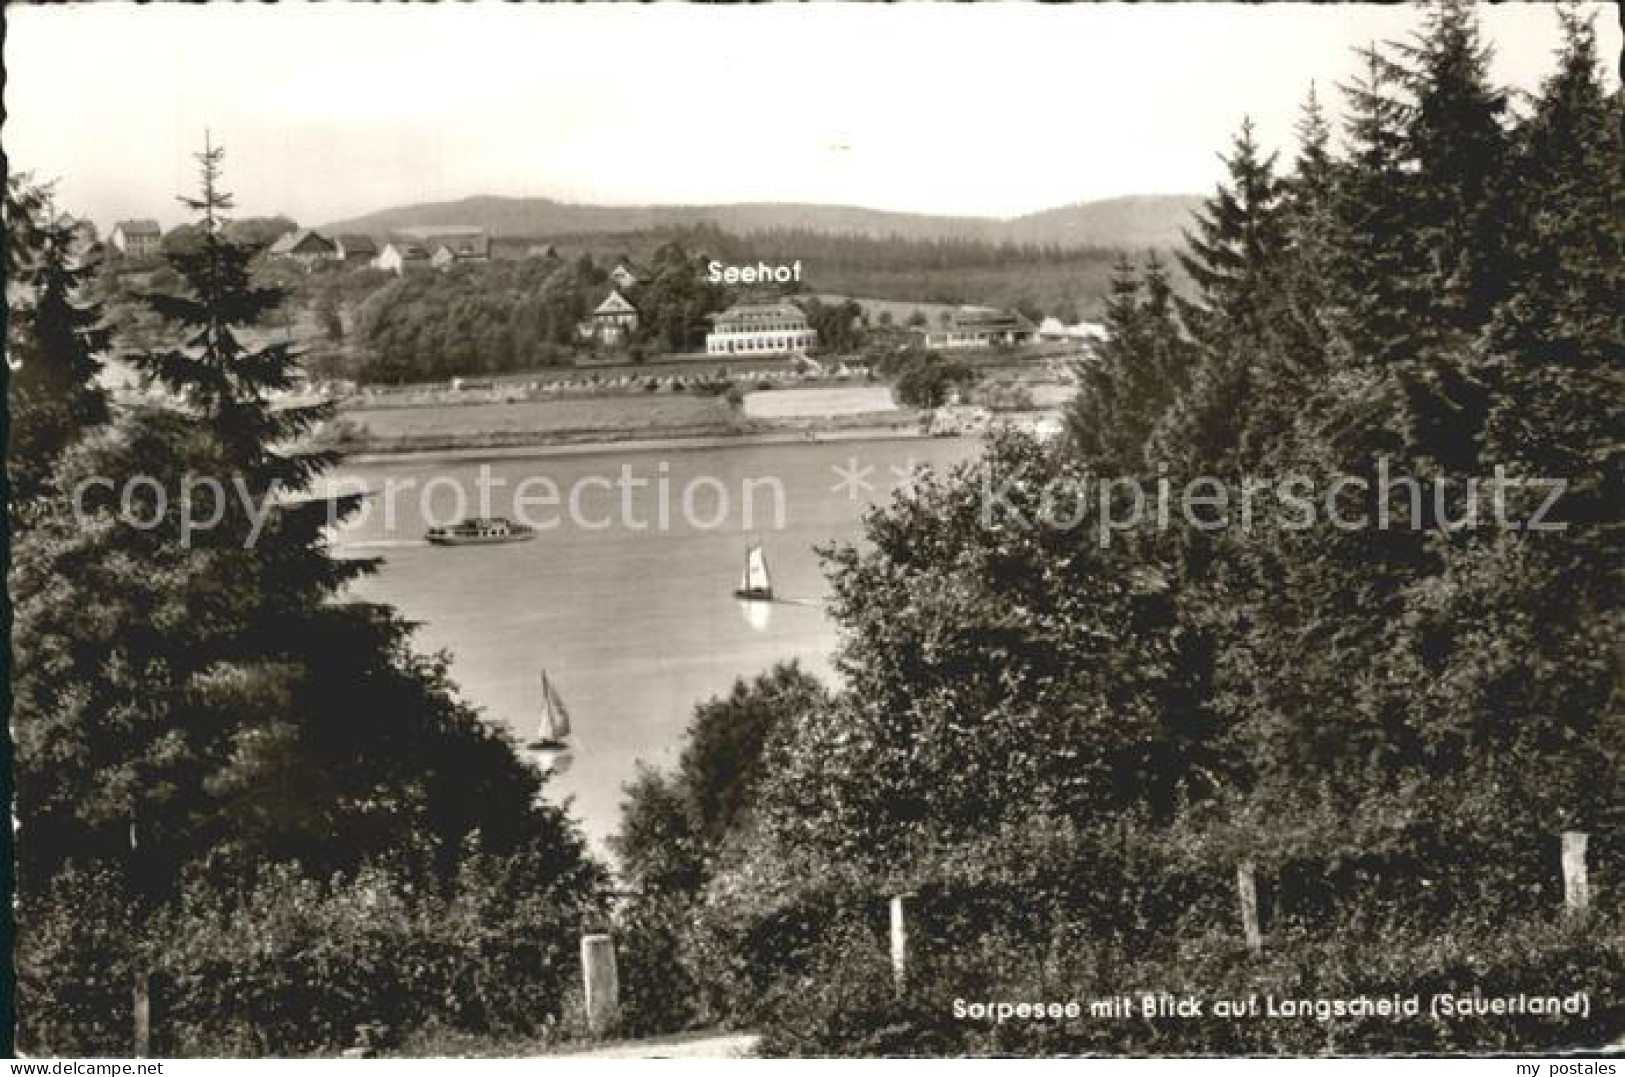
<point>1233,256</point>
<point>1456,144</point>
<point>232,388</point>
<point>1312,236</point>
<point>1136,374</point>
<point>218,694</point>
<point>56,338</point>
<point>1236,259</point>
<point>1377,315</point>
<point>1531,612</point>
<point>1557,345</point>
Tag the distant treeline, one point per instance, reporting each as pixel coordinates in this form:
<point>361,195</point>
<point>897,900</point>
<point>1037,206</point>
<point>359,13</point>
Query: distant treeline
<point>1067,282</point>
<point>516,315</point>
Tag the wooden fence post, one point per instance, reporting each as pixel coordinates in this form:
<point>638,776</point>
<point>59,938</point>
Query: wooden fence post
<point>600,981</point>
<point>1247,891</point>
<point>1576,887</point>
<point>899,942</point>
<point>142,996</point>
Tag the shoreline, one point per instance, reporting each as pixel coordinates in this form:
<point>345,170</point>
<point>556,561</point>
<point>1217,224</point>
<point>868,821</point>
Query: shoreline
<point>670,442</point>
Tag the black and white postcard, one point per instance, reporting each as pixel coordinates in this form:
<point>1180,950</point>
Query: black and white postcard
<point>804,530</point>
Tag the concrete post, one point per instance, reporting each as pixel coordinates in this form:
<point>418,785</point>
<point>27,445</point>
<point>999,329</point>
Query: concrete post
<point>899,942</point>
<point>143,1015</point>
<point>1576,886</point>
<point>602,986</point>
<point>1247,891</point>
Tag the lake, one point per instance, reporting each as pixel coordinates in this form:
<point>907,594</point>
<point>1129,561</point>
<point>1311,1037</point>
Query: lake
<point>626,597</point>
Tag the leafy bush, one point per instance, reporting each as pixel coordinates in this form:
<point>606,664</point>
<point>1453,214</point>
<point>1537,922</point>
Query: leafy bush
<point>74,963</point>
<point>848,1006</point>
<point>296,966</point>
<point>925,379</point>
<point>659,992</point>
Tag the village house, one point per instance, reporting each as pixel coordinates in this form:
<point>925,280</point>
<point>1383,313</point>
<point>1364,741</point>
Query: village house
<point>1084,334</point>
<point>760,329</point>
<point>978,327</point>
<point>628,275</point>
<point>305,246</point>
<point>400,256</point>
<point>137,239</point>
<point>612,322</point>
<point>356,250</point>
<point>447,245</point>
<point>456,250</point>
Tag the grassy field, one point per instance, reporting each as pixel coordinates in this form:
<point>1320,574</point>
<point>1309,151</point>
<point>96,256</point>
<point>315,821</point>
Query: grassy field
<point>899,309</point>
<point>818,403</point>
<point>1080,286</point>
<point>611,419</point>
<point>685,366</point>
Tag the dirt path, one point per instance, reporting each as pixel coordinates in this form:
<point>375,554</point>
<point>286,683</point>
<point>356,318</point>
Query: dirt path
<point>692,1045</point>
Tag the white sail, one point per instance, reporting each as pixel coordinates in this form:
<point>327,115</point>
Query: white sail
<point>756,579</point>
<point>555,716</point>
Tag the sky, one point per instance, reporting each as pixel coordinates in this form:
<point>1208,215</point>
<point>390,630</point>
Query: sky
<point>333,110</point>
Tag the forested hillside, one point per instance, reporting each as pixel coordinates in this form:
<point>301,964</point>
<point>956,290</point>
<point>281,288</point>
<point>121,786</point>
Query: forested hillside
<point>1135,221</point>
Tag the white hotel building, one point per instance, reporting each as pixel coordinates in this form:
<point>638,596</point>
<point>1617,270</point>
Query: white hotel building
<point>760,329</point>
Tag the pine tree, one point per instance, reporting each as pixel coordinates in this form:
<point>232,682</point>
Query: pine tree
<point>231,387</point>
<point>1454,139</point>
<point>1312,236</point>
<point>1376,315</point>
<point>1237,258</point>
<point>56,337</point>
<point>1234,254</point>
<point>194,708</point>
<point>1556,347</point>
<point>1137,373</point>
<point>1534,611</point>
<point>229,384</point>
<point>1452,154</point>
<point>214,690</point>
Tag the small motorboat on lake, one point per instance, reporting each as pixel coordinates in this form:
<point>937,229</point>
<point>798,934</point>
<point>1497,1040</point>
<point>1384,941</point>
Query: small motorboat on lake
<point>480,531</point>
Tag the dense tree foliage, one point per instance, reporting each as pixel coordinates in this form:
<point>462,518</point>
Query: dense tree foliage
<point>839,325</point>
<point>201,717</point>
<point>1136,373</point>
<point>922,378</point>
<point>680,829</point>
<point>1064,734</point>
<point>515,315</point>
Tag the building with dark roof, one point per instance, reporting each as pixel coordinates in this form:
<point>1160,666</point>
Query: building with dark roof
<point>401,255</point>
<point>628,274</point>
<point>138,238</point>
<point>450,244</point>
<point>354,249</point>
<point>306,246</point>
<point>978,327</point>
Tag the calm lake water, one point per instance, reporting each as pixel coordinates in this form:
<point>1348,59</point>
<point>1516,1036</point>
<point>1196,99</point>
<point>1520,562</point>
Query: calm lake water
<point>634,623</point>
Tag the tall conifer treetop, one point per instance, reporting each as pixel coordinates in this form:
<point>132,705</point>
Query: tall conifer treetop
<point>215,370</point>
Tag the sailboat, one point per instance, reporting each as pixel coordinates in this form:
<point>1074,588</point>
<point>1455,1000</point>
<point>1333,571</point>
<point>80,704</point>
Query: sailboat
<point>554,730</point>
<point>755,585</point>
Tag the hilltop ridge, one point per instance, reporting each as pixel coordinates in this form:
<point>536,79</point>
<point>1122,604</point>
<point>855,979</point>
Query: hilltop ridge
<point>1133,221</point>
